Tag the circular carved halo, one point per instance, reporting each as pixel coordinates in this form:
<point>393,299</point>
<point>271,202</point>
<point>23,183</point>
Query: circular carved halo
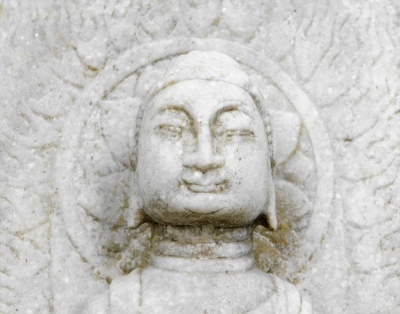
<point>138,58</point>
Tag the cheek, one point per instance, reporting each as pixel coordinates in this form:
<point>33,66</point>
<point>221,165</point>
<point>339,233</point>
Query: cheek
<point>159,164</point>
<point>247,167</point>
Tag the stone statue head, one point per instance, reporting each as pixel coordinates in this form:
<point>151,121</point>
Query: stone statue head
<point>203,152</point>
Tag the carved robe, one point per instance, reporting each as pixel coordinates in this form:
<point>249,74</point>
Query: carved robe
<point>134,293</point>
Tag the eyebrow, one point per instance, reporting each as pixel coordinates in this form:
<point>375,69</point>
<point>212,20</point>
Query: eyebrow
<point>231,106</point>
<point>170,107</point>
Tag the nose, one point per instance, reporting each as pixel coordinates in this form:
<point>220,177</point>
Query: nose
<point>204,158</point>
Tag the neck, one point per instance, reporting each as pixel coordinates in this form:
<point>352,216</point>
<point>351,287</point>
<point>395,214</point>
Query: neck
<point>202,249</point>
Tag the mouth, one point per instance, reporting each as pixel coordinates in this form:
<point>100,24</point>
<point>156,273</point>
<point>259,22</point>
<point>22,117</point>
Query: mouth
<point>198,182</point>
<point>197,185</point>
<point>208,188</point>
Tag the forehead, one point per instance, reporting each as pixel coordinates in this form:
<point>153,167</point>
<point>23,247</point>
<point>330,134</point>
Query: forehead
<point>201,97</point>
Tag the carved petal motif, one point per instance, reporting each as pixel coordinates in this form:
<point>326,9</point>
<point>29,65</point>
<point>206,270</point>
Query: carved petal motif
<point>200,15</point>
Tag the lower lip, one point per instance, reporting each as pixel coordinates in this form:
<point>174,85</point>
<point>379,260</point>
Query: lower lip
<point>212,188</point>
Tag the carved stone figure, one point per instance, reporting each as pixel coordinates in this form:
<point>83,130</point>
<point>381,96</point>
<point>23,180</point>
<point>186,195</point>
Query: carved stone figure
<point>202,171</point>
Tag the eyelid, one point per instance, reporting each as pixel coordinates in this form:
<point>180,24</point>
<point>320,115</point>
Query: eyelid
<point>173,122</point>
<point>237,132</point>
<point>170,127</point>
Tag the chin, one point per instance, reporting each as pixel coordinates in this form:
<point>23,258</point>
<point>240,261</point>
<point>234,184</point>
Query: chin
<point>203,209</point>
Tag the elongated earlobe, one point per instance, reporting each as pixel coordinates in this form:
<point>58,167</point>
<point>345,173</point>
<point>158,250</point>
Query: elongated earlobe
<point>268,216</point>
<point>271,209</point>
<point>134,215</point>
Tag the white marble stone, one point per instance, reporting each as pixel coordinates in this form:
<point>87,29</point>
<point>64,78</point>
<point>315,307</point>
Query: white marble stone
<point>202,175</point>
<point>72,77</point>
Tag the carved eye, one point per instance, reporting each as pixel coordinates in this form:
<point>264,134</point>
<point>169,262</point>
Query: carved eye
<point>171,130</point>
<point>234,134</point>
<point>238,133</point>
<point>233,126</point>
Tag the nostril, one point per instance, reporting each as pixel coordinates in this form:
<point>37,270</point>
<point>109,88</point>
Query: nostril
<point>219,160</point>
<point>203,163</point>
<point>203,168</point>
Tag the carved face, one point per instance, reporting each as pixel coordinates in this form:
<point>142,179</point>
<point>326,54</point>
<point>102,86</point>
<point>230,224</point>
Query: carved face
<point>203,156</point>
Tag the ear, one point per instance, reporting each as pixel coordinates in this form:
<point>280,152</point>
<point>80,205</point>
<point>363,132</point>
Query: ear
<point>271,208</point>
<point>268,216</point>
<point>134,215</point>
<point>286,126</point>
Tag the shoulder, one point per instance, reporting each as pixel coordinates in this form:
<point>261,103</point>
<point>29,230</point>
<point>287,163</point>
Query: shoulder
<point>125,293</point>
<point>118,298</point>
<point>97,304</point>
<point>126,285</point>
<point>296,302</point>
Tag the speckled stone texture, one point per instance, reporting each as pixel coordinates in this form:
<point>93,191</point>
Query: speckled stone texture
<point>72,75</point>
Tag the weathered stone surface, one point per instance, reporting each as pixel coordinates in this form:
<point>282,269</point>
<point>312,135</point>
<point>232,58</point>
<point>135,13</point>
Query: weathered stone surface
<point>330,66</point>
